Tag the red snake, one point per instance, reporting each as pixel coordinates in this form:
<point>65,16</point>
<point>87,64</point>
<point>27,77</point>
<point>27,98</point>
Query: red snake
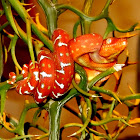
<point>52,73</point>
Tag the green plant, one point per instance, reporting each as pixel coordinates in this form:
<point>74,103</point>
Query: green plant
<point>87,101</point>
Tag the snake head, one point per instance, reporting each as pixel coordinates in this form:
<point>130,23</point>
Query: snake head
<point>85,51</point>
<point>112,47</point>
<point>93,52</point>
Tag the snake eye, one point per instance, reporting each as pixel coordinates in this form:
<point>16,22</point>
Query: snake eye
<point>108,41</point>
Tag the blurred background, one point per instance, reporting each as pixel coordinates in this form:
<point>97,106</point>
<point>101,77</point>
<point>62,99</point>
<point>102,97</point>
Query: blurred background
<point>124,14</point>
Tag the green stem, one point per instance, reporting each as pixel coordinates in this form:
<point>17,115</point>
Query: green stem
<point>51,15</point>
<point>82,15</point>
<point>39,127</point>
<point>2,100</point>
<point>55,107</point>
<point>86,118</point>
<point>107,120</point>
<point>87,6</point>
<point>36,115</point>
<point>107,92</point>
<point>13,22</point>
<point>8,13</point>
<point>54,120</point>
<point>15,26</point>
<point>85,24</point>
<point>76,11</point>
<point>13,44</point>
<point>109,114</point>
<point>109,71</point>
<point>23,137</point>
<point>104,12</point>
<point>75,28</point>
<point>24,15</point>
<point>29,39</point>
<point>3,26</point>
<point>1,12</point>
<point>111,27</point>
<point>125,125</point>
<point>20,128</point>
<point>98,133</point>
<point>130,97</point>
<point>82,91</point>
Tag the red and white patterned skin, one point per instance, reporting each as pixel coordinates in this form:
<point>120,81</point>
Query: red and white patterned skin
<point>31,78</point>
<point>51,75</point>
<point>96,54</point>
<point>63,62</point>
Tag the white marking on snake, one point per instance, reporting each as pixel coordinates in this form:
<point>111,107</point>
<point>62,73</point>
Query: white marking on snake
<point>59,37</point>
<point>20,91</point>
<point>31,87</point>
<point>25,66</point>
<point>60,85</point>
<point>61,54</point>
<point>62,67</point>
<point>62,44</point>
<point>40,95</point>
<point>42,85</point>
<point>57,95</point>
<point>44,74</point>
<point>26,92</point>
<point>36,74</point>
<point>42,57</point>
<point>23,72</point>
<point>31,63</point>
<point>13,77</point>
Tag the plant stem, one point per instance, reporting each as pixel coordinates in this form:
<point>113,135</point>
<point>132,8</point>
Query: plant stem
<point>109,71</point>
<point>54,120</point>
<point>55,107</point>
<point>85,24</point>
<point>13,44</point>
<point>9,16</point>
<point>29,39</point>
<point>24,15</point>
<point>87,6</point>
<point>51,15</point>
